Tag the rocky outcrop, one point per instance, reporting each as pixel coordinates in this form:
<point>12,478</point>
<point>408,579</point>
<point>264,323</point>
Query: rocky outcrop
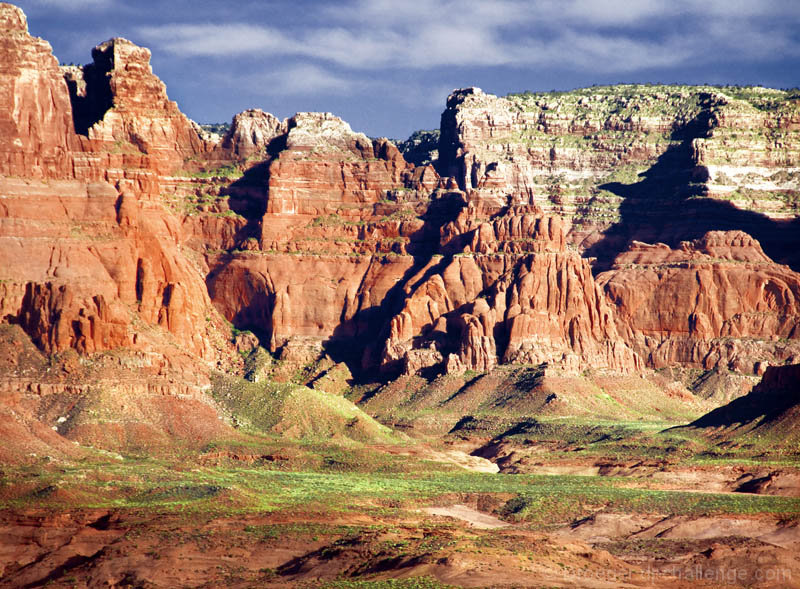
<point>635,160</point>
<point>481,307</point>
<point>286,298</point>
<point>88,256</point>
<point>552,150</point>
<point>325,165</point>
<point>315,236</point>
<point>771,411</point>
<point>718,301</point>
<point>35,117</point>
<point>58,319</point>
<point>123,107</point>
<point>752,151</point>
<point>780,379</point>
<point>251,133</point>
<point>84,270</point>
<point>340,227</point>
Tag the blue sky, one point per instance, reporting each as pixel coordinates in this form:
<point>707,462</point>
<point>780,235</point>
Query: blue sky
<point>387,67</point>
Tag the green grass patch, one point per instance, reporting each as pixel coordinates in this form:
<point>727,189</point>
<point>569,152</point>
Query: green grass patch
<point>537,499</point>
<point>227,171</point>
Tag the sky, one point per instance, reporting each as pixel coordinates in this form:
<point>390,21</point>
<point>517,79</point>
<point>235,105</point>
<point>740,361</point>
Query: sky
<point>387,66</point>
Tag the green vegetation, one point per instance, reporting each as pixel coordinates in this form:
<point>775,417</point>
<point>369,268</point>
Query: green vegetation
<point>218,128</point>
<point>123,147</point>
<point>295,411</point>
<point>301,529</point>
<point>412,583</point>
<point>230,172</point>
<point>403,214</point>
<point>669,96</point>
<point>536,499</point>
<point>421,148</point>
<point>256,406</point>
<point>334,220</point>
<point>760,97</point>
<point>623,101</point>
<point>511,395</point>
<point>206,202</point>
<point>561,500</point>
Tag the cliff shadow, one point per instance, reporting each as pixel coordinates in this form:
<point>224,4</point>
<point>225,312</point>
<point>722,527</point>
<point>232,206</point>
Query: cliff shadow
<point>358,342</point>
<point>90,90</point>
<point>247,197</point>
<point>90,95</point>
<point>669,205</point>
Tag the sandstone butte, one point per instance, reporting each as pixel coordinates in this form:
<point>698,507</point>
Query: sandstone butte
<point>620,229</point>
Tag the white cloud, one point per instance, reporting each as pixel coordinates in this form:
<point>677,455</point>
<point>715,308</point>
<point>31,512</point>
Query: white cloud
<point>304,79</point>
<point>226,39</point>
<point>617,54</point>
<point>591,35</point>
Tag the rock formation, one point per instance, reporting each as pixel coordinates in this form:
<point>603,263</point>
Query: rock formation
<point>90,259</point>
<point>340,216</point>
<point>619,228</point>
<point>102,261</point>
<point>325,165</point>
<point>652,163</point>
<point>250,134</point>
<point>770,411</point>
<point>121,106</point>
<point>536,302</point>
<point>35,118</point>
<point>715,301</point>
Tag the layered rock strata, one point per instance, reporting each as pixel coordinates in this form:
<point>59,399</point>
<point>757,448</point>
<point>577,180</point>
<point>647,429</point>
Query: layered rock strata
<point>314,235</point>
<point>35,118</point>
<point>122,107</point>
<point>250,135</point>
<point>718,301</point>
<point>82,271</point>
<point>90,259</point>
<point>515,294</point>
<point>653,163</point>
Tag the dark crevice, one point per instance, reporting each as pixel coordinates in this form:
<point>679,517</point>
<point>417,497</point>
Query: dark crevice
<point>90,94</point>
<point>139,279</point>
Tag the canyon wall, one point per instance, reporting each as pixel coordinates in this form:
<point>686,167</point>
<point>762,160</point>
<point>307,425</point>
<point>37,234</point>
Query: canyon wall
<point>620,228</point>
<point>650,163</point>
<point>35,119</point>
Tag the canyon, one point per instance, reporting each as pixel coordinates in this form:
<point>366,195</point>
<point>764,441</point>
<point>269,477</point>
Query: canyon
<point>628,250</point>
<point>523,244</point>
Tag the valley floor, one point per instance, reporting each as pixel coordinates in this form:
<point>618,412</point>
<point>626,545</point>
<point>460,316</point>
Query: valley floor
<point>631,507</point>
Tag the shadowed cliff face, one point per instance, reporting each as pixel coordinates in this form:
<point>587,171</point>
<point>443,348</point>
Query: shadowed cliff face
<point>770,410</point>
<point>90,93</point>
<point>685,218</point>
<point>629,166</point>
<point>669,205</point>
<point>344,220</point>
<point>634,162</point>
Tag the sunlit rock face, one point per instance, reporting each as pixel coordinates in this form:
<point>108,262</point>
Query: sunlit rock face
<point>616,228</point>
<point>35,119</point>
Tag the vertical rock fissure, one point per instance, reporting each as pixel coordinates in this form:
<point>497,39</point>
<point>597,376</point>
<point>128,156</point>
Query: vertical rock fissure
<point>90,91</point>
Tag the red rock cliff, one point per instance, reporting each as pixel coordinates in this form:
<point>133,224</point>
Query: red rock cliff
<point>309,233</point>
<point>718,301</point>
<point>35,117</point>
<point>124,106</point>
